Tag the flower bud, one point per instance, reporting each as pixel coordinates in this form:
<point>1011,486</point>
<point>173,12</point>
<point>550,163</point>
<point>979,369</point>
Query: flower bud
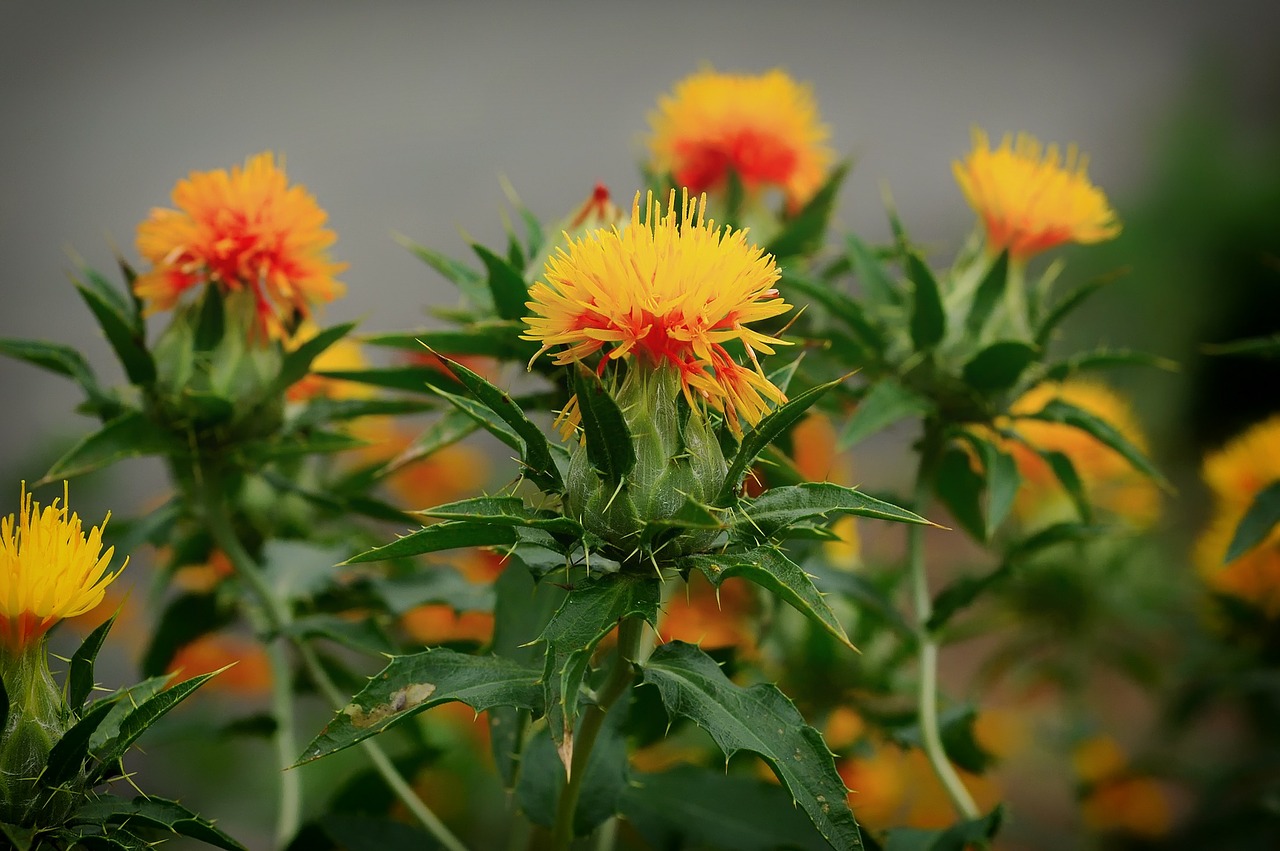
<point>37,719</point>
<point>677,458</point>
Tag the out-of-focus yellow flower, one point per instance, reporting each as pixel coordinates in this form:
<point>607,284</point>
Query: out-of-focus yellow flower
<point>1030,200</point>
<point>345,354</point>
<point>764,127</point>
<point>1110,482</point>
<point>710,617</point>
<point>1114,799</point>
<point>817,458</point>
<point>246,230</point>
<point>669,292</point>
<point>49,569</point>
<point>1236,474</point>
<point>448,474</point>
<point>250,671</point>
<point>890,787</point>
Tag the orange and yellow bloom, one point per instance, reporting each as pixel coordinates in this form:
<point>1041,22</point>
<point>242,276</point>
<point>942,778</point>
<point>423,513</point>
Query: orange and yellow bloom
<point>1236,474</point>
<point>242,231</point>
<point>1114,798</point>
<point>764,127</point>
<point>49,569</point>
<point>669,292</point>
<point>1030,199</point>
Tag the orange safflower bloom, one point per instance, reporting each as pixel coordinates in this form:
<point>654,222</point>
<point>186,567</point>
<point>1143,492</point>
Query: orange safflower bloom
<point>250,671</point>
<point>1029,202</point>
<point>246,230</point>
<point>438,623</point>
<point>49,569</point>
<point>1110,482</point>
<point>709,617</point>
<point>1236,474</point>
<point>765,128</point>
<point>669,292</point>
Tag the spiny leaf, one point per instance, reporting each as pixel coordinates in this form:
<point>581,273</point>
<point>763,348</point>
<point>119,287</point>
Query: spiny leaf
<point>760,719</point>
<point>129,435</point>
<point>137,722</point>
<point>297,363</point>
<point>153,812</point>
<point>411,684</point>
<point>54,357</point>
<point>928,318</point>
<point>1059,411</point>
<point>449,535</point>
<point>506,284</point>
<point>609,445</point>
<point>68,754</point>
<point>505,511</point>
<point>80,672</point>
<point>773,511</point>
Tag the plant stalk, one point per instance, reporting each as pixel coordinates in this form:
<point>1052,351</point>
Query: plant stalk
<point>630,634</point>
<point>278,617</point>
<point>927,705</point>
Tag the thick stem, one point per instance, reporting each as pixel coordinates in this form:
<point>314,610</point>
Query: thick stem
<point>278,617</point>
<point>927,706</point>
<point>630,633</point>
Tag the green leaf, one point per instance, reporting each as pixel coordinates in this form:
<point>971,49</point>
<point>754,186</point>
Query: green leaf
<point>609,446</point>
<point>1058,411</point>
<point>588,614</point>
<point>468,281</point>
<point>297,444</point>
<point>137,722</point>
<point>540,466</point>
<point>762,720</point>
<point>63,360</point>
<point>129,435</point>
<point>506,285</point>
<point>411,684</point>
<point>123,701</point>
<point>988,294</point>
<point>772,570</point>
<point>435,584</point>
<point>999,365</point>
<point>363,636</point>
<point>879,284</point>
<point>125,339</point>
<point>887,403</point>
<point>505,511</point>
<point>841,307</point>
<point>1258,521</point>
<point>928,318</point>
<point>148,811</point>
<point>1051,536</point>
<point>119,302</point>
<point>1065,472</point>
<point>337,501</point>
<point>859,590</point>
<point>804,232</point>
<point>321,410</point>
<point>1070,301</point>
<point>449,535</point>
<point>410,379</point>
<point>696,807</point>
<point>1000,482</point>
<point>959,487</point>
<point>961,593</point>
<point>450,427</point>
<point>1262,347</point>
<point>68,754</point>
<point>1105,359</point>
<point>766,431</point>
<point>496,338</point>
<point>80,672</point>
<point>778,508</point>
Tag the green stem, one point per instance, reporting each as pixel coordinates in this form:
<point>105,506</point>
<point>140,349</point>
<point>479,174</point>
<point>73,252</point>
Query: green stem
<point>630,633</point>
<point>278,618</point>
<point>930,736</point>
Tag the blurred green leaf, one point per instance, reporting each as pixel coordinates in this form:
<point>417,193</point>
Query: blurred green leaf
<point>419,378</point>
<point>839,306</point>
<point>433,585</point>
<point>1065,472</point>
<point>1072,300</point>
<point>1000,481</point>
<point>1105,359</point>
<point>129,435</point>
<point>148,811</point>
<point>125,338</point>
<point>762,720</point>
<point>804,232</point>
<point>411,684</point>
<point>1058,411</point>
<point>121,303</point>
<point>366,833</point>
<point>928,318</point>
<point>988,294</point>
<point>1263,347</point>
<point>960,488</point>
<point>999,366</point>
<point>1258,522</point>
<point>886,403</point>
<point>319,411</point>
<point>137,722</point>
<point>857,589</point>
<point>496,338</point>
<point>880,286</point>
<point>450,427</point>
<point>468,281</point>
<point>505,511</point>
<point>772,570</point>
<point>506,284</point>
<point>961,593</point>
<point>960,837</point>
<point>609,445</point>
<point>363,636</point>
<point>54,357</point>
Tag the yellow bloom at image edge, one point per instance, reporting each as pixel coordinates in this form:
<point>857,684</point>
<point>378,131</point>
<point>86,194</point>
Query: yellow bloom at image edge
<point>49,569</point>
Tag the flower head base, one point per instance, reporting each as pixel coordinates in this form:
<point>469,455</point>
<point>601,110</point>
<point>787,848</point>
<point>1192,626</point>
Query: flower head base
<point>246,230</point>
<point>765,128</point>
<point>49,569</point>
<point>669,291</point>
<point>1030,203</point>
<point>1236,474</point>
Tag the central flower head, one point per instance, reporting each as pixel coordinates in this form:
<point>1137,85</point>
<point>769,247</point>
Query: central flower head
<point>244,231</point>
<point>1029,203</point>
<point>669,291</point>
<point>49,570</point>
<point>764,127</point>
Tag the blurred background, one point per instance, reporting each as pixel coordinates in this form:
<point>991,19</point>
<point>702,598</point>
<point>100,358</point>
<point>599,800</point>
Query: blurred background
<point>406,117</point>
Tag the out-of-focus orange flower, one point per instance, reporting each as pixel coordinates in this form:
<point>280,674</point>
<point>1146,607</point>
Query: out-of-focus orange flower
<point>246,230</point>
<point>710,619</point>
<point>843,728</point>
<point>1236,474</point>
<point>764,127</point>
<point>479,566</point>
<point>439,624</point>
<point>451,473</point>
<point>1110,482</point>
<point>249,674</point>
<point>879,783</point>
<point>204,577</point>
<point>1031,202</point>
<point>815,454</point>
<point>1116,800</point>
<point>345,354</point>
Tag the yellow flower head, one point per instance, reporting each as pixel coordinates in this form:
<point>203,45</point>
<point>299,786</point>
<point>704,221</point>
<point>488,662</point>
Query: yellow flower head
<point>668,291</point>
<point>1110,482</point>
<point>49,570</point>
<point>247,230</point>
<point>1236,474</point>
<point>764,127</point>
<point>1029,202</point>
